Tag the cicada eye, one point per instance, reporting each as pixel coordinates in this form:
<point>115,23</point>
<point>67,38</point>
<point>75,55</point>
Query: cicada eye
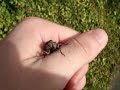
<point>59,45</point>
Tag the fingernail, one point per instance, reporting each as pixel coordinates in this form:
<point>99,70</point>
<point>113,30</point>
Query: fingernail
<point>100,35</point>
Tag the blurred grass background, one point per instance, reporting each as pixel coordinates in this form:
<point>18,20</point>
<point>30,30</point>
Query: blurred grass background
<point>80,15</point>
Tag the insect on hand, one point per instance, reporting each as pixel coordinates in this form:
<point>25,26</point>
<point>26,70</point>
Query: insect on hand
<point>50,47</point>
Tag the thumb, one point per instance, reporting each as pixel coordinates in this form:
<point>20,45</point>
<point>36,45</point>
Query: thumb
<point>80,50</point>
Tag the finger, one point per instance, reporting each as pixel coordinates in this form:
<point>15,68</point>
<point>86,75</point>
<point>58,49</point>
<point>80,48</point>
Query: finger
<point>76,78</point>
<point>80,85</point>
<point>79,51</point>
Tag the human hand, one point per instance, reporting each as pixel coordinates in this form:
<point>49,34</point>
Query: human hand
<point>55,71</point>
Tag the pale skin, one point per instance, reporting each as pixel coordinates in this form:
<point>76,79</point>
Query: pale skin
<point>23,46</point>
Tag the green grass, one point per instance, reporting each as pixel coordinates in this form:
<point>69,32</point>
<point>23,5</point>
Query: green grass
<point>80,15</point>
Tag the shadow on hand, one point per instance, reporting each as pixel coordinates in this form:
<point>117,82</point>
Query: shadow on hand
<point>13,76</point>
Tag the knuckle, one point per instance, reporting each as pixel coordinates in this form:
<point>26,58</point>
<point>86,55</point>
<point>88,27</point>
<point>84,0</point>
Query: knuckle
<point>31,20</point>
<point>86,67</point>
<point>30,23</point>
<point>96,42</point>
<point>81,47</point>
<point>80,85</point>
<point>83,82</point>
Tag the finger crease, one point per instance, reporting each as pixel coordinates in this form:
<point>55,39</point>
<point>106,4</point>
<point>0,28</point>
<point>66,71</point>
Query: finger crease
<point>81,45</point>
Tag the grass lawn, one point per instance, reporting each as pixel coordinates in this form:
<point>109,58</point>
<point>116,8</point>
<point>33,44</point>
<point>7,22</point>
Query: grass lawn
<point>80,15</point>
